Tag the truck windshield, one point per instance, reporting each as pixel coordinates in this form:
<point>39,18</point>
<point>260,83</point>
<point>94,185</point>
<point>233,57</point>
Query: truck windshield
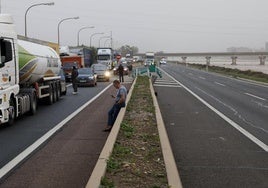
<point>104,57</point>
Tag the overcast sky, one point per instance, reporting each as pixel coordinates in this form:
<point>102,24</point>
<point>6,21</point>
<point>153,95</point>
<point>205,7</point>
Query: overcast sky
<point>151,25</point>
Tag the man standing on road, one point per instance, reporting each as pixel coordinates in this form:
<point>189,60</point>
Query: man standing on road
<point>121,72</point>
<point>74,79</point>
<point>120,101</point>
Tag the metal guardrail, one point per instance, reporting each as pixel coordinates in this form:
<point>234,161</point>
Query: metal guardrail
<point>147,71</point>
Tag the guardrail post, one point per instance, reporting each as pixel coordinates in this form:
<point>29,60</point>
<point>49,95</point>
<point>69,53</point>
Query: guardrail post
<point>262,59</point>
<point>233,60</point>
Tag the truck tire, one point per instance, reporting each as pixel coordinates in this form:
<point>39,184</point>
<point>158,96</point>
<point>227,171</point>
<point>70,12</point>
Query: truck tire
<point>50,97</point>
<point>33,107</point>
<point>11,112</point>
<point>54,91</point>
<point>58,90</point>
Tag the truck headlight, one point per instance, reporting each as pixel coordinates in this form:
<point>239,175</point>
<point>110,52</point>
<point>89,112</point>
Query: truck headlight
<point>107,73</point>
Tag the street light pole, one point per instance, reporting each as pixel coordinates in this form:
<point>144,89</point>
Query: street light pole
<point>59,26</point>
<point>25,16</point>
<point>90,27</point>
<point>107,41</point>
<point>93,35</point>
<point>103,38</point>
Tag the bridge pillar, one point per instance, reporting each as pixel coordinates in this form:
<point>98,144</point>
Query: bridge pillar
<point>262,59</point>
<point>234,58</point>
<point>184,59</point>
<point>208,60</point>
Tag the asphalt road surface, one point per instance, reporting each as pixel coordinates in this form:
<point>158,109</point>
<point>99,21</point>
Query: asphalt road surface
<point>69,156</point>
<point>217,127</point>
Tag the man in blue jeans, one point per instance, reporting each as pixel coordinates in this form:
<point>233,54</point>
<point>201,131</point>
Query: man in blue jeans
<point>120,101</point>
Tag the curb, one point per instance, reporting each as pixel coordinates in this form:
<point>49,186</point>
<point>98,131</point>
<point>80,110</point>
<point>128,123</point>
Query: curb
<point>100,167</point>
<point>173,177</point>
<point>171,169</point>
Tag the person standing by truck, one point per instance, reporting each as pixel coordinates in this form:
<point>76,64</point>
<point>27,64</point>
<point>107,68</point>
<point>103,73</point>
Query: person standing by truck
<point>74,79</point>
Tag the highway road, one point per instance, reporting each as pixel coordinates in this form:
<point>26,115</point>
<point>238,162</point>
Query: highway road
<point>17,138</point>
<point>217,126</point>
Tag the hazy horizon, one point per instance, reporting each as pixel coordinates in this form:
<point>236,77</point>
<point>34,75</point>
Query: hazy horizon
<point>150,25</point>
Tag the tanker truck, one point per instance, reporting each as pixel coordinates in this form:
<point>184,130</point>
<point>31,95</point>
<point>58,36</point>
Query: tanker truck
<point>29,72</point>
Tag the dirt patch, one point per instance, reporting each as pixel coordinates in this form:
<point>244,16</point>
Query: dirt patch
<point>137,159</point>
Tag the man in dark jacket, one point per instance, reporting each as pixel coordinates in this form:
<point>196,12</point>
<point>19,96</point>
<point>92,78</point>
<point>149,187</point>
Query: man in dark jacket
<point>121,72</point>
<point>74,79</point>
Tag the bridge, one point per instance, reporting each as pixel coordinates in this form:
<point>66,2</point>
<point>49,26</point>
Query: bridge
<point>208,55</point>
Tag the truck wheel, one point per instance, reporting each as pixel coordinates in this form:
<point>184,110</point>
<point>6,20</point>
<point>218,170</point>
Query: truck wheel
<point>50,97</point>
<point>54,91</point>
<point>33,104</point>
<point>11,112</point>
<point>58,90</point>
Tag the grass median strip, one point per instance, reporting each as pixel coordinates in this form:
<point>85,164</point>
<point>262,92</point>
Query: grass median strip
<point>137,160</point>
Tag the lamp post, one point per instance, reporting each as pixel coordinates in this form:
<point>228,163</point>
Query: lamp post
<point>107,41</point>
<point>25,16</point>
<point>89,27</point>
<point>71,18</point>
<point>103,38</point>
<point>94,35</point>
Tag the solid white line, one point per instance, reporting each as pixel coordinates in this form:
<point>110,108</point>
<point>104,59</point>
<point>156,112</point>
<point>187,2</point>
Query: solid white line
<point>231,122</point>
<point>255,96</point>
<point>202,77</point>
<point>220,84</point>
<point>159,85</point>
<point>165,81</point>
<point>19,158</point>
<point>170,83</point>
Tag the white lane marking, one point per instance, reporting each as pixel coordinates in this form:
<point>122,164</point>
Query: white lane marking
<point>165,81</point>
<point>220,84</point>
<point>159,85</point>
<point>169,83</point>
<point>236,113</point>
<point>231,122</point>
<point>257,97</point>
<point>202,78</point>
<point>19,158</point>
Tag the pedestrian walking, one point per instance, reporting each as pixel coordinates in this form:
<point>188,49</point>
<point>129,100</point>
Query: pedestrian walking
<point>120,101</point>
<point>74,79</point>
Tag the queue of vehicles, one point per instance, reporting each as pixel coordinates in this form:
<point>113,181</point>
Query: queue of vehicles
<point>32,70</point>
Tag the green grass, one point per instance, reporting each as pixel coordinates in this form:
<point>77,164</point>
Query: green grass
<point>137,158</point>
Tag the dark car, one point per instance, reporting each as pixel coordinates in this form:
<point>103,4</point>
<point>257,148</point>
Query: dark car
<point>126,70</point>
<point>86,77</point>
<point>101,72</point>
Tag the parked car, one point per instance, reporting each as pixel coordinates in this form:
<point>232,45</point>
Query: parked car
<point>86,77</point>
<point>101,72</point>
<point>126,70</point>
